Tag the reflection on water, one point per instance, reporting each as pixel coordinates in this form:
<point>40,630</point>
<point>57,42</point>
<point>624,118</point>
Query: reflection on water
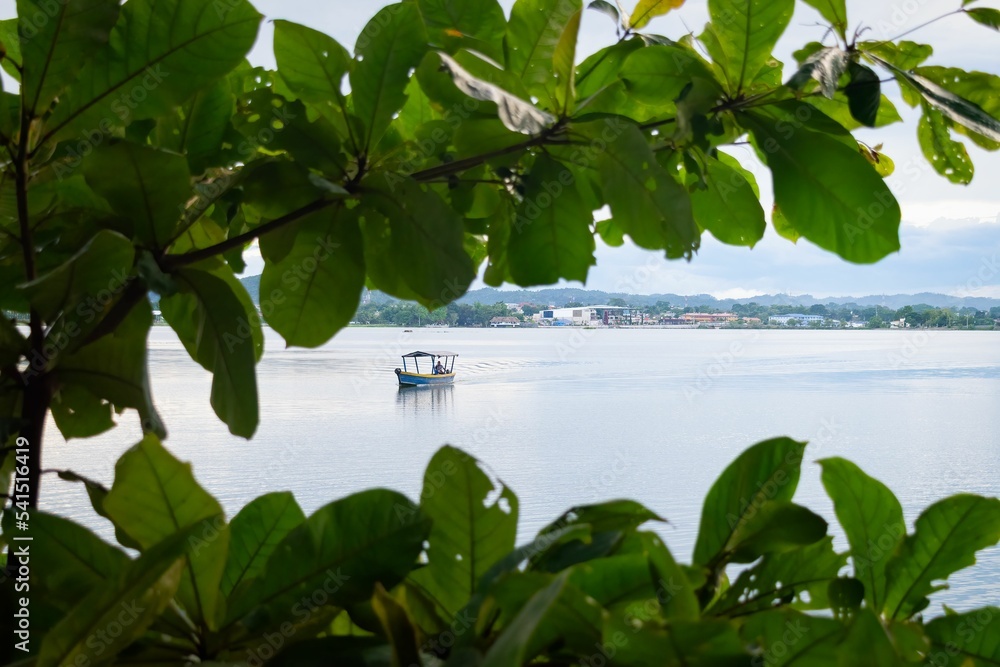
<point>435,399</point>
<point>567,416</point>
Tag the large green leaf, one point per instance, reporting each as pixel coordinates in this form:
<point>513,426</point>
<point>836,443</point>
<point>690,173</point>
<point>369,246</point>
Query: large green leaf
<point>948,157</point>
<point>789,637</point>
<point>701,643</point>
<point>427,243</point>
<point>314,291</point>
<point>313,65</point>
<point>391,45</point>
<point>975,636</point>
<point>130,601</point>
<point>551,236</point>
<point>55,48</point>
<point>834,11</point>
<point>867,643</point>
<point>198,128</point>
<point>776,526</point>
<point>948,534</point>
<point>398,628</point>
<point>559,612</point>
<point>114,369</point>
<point>826,189</point>
<point>149,188</point>
<point>68,561</point>
<point>659,74</point>
<point>474,525</point>
<point>674,596</point>
<point>646,201</point>
<point>729,207</point>
<point>564,65</point>
<point>343,549</point>
<point>220,331</point>
<point>742,34</point>
<point>533,34</point>
<point>766,472</point>
<point>798,577</point>
<point>84,288</point>
<point>155,496</point>
<point>474,24</point>
<point>254,534</point>
<point>871,517</point>
<point>160,53</point>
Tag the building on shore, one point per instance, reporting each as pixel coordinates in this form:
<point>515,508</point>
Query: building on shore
<point>505,322</point>
<point>589,316</point>
<point>803,320</point>
<point>710,318</point>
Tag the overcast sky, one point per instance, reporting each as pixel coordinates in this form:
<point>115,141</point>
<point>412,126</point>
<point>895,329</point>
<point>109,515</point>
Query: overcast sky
<point>950,232</point>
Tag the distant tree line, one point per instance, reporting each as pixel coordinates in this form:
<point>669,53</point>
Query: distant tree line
<point>406,314</point>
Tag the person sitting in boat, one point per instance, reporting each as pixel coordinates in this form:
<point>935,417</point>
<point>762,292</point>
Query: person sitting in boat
<point>439,369</point>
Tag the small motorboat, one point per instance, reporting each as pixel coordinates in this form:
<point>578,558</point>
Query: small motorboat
<point>440,367</point>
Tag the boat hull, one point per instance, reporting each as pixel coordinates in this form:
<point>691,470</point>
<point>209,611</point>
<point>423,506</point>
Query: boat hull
<point>421,379</point>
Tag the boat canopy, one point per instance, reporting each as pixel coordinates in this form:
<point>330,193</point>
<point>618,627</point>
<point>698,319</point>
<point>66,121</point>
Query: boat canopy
<point>429,354</point>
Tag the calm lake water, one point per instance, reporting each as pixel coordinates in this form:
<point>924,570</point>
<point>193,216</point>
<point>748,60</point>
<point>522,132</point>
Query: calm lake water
<point>569,416</point>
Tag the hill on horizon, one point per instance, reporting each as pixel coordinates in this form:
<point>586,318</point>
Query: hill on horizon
<point>560,296</point>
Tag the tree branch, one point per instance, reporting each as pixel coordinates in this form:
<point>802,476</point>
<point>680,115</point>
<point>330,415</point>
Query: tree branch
<point>135,291</point>
<point>169,262</point>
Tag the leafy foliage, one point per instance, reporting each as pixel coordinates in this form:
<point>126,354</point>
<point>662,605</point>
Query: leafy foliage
<point>377,578</point>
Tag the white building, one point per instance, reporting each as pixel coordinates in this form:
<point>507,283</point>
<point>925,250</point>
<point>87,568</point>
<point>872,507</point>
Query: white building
<point>588,316</point>
<point>803,320</point>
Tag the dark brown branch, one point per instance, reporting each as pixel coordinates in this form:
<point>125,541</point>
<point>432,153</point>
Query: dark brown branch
<point>169,262</point>
<point>135,291</point>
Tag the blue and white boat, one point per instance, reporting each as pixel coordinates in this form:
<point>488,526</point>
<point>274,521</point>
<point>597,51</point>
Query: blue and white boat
<point>440,369</point>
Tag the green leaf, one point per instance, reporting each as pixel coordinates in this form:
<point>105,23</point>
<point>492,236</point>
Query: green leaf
<point>558,612</point>
<point>79,413</point>
<point>343,549</point>
<point>427,242</point>
<point>645,200</point>
<point>197,129</point>
<point>132,600</point>
<point>114,368</point>
<point>68,561</point>
<point>864,94</point>
<point>647,10</point>
<point>605,8</point>
<point>965,112</point>
<point>948,534</point>
<point>533,35</point>
<point>12,343</point>
<point>564,65</point>
<point>219,328</point>
<point>156,496</point>
<point>85,287</point>
<point>11,41</point>
<point>478,25</point>
<point>675,598</point>
<point>834,11</point>
<point>474,526</point>
<point>516,114</point>
<point>599,71</point>
<point>776,526</point>
<point>867,643</point>
<point>729,208</point>
<point>904,55</point>
<point>160,53</point>
<point>986,16</point>
<point>659,74</point>
<point>767,471</point>
<point>826,66</point>
<point>845,594</point>
<point>799,577</point>
<point>789,637</point>
<point>314,291</point>
<point>149,189</point>
<point>313,65</point>
<point>97,492</point>
<point>254,534</point>
<point>742,34</point>
<point>675,644</point>
<point>871,517</point>
<point>390,46</point>
<point>551,236</point>
<point>975,636</point>
<point>948,157</point>
<point>55,48</point>
<point>398,628</point>
<point>826,189</point>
